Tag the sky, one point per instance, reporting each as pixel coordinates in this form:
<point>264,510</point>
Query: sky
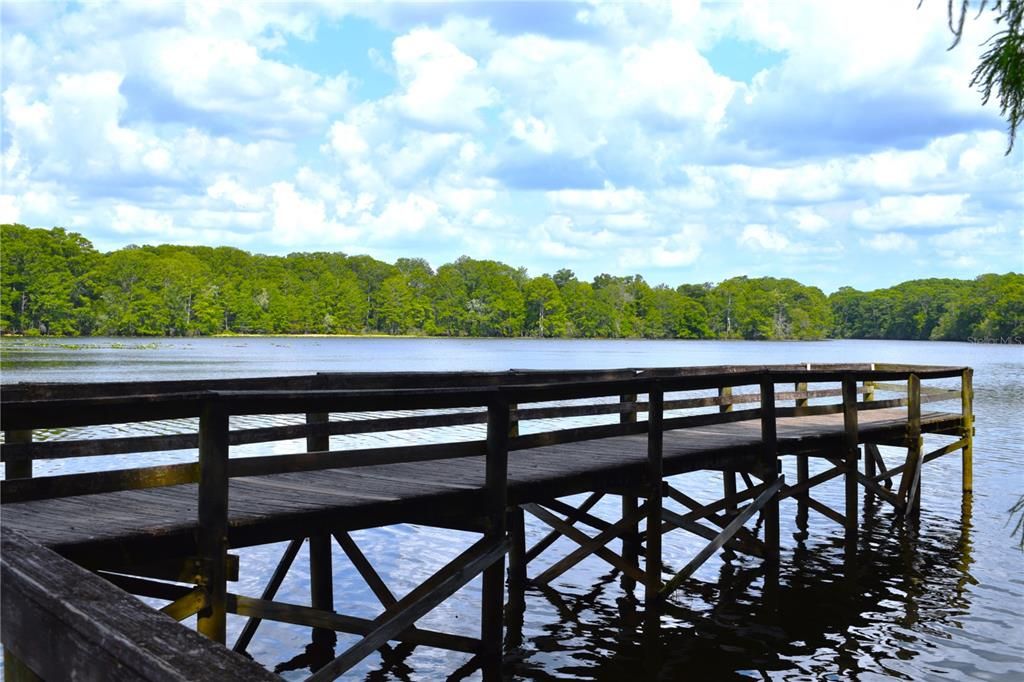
<point>837,143</point>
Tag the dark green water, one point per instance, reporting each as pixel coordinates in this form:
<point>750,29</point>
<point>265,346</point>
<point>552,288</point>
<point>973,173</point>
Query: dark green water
<point>940,600</point>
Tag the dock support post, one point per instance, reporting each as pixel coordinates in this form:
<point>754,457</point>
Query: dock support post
<point>517,549</point>
<point>869,455</point>
<point>655,471</point>
<point>967,428</point>
<point>802,469</point>
<point>321,586</point>
<point>770,468</point>
<point>213,518</point>
<point>851,447</point>
<point>493,591</point>
<point>910,482</point>
<point>21,467</point>
<point>321,562</point>
<point>630,535</point>
<point>728,475</point>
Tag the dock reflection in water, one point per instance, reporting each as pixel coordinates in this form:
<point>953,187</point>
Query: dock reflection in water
<point>828,619</point>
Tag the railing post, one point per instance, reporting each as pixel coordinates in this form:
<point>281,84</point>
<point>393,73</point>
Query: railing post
<point>967,427</point>
<point>655,472</point>
<point>851,444</point>
<point>21,467</point>
<point>493,592</point>
<point>770,467</point>
<point>321,562</point>
<point>630,536</point>
<point>728,475</point>
<point>213,518</point>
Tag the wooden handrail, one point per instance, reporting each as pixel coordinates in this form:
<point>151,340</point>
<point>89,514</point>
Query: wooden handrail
<point>22,415</point>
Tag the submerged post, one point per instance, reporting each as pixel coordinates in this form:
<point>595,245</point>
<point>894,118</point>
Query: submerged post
<point>655,471</point>
<point>630,535</point>
<point>728,475</point>
<point>803,471</point>
<point>770,467</point>
<point>851,448</point>
<point>967,427</point>
<point>321,562</point>
<point>213,518</point>
<point>493,591</point>
<point>910,482</point>
<point>517,532</point>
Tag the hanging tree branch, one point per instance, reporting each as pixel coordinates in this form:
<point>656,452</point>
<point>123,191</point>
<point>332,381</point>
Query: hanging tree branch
<point>1001,68</point>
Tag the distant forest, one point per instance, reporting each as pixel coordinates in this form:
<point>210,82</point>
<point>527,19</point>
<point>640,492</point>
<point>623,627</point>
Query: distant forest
<point>54,282</point>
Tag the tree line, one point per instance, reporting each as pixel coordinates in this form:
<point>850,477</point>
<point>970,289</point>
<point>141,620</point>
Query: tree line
<point>54,282</point>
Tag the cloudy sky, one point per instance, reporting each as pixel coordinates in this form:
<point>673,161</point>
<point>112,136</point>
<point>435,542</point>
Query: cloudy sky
<point>836,143</point>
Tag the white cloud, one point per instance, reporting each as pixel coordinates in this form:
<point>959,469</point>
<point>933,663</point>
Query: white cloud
<point>230,77</point>
<point>890,241</point>
<point>10,212</point>
<point>971,239</point>
<point>346,140</point>
<point>911,211</point>
<point>535,133</point>
<point>234,193</point>
<point>440,85</point>
<point>808,220</point>
<point>298,219</point>
<point>605,200</point>
<point>763,238</point>
<point>680,249</point>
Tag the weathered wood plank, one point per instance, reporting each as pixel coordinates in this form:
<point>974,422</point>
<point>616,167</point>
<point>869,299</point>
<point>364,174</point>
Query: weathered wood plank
<point>96,629</point>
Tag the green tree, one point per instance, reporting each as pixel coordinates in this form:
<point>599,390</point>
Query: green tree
<point>545,310</point>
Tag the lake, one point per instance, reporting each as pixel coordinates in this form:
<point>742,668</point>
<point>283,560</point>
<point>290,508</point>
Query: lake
<point>943,599</point>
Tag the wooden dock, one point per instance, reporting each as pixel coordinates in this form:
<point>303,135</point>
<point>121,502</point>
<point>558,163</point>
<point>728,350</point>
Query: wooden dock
<point>489,448</point>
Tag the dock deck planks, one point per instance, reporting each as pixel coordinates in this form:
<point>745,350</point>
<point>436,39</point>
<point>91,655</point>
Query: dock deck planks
<point>268,508</point>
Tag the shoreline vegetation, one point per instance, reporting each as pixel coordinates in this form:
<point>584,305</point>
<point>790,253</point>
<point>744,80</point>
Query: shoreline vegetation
<point>55,283</point>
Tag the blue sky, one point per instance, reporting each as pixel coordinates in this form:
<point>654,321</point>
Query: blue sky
<point>835,143</point>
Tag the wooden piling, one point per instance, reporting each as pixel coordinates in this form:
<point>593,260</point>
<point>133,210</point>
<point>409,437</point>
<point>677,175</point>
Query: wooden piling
<point>321,563</point>
<point>770,468</point>
<point>655,472</point>
<point>910,482</point>
<point>802,468</point>
<point>630,503</point>
<point>213,518</point>
<point>493,590</point>
<point>728,475</point>
<point>851,447</point>
<point>517,561</point>
<point>967,428</point>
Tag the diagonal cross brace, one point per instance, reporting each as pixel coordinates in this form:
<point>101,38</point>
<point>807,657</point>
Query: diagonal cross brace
<point>723,537</point>
<point>410,608</point>
<point>587,545</point>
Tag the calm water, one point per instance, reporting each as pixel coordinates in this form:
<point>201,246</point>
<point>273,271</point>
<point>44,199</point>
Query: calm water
<point>941,600</point>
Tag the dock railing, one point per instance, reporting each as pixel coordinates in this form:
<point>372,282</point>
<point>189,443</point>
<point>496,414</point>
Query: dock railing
<point>518,409</point>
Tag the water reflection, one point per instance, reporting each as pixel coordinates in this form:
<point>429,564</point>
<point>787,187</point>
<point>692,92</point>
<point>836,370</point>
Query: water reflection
<point>827,617</point>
